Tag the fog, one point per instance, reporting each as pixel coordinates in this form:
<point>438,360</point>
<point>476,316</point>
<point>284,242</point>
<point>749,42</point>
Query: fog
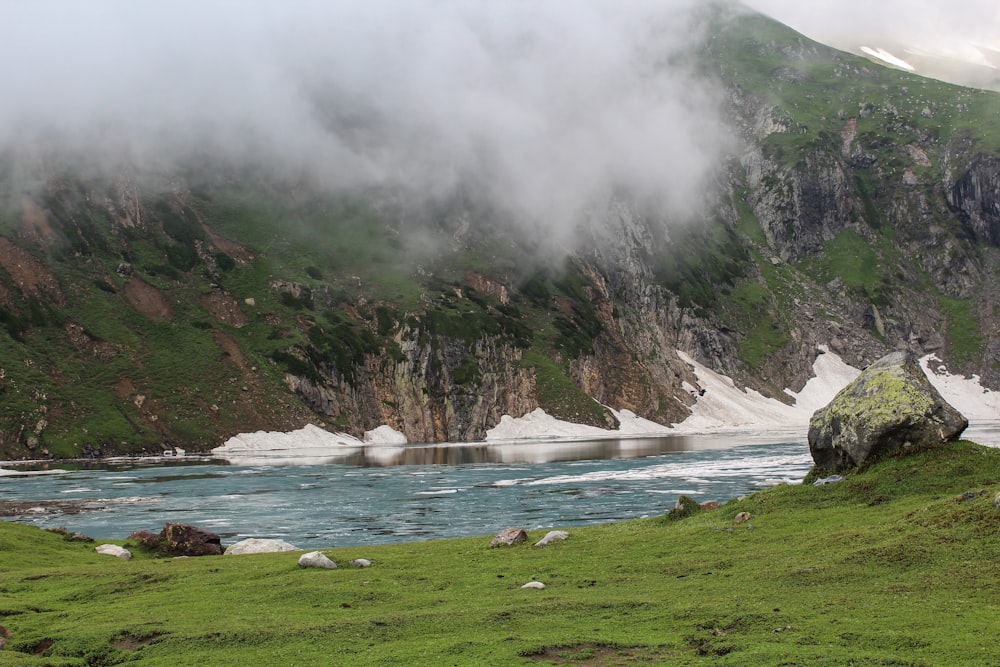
<point>543,107</point>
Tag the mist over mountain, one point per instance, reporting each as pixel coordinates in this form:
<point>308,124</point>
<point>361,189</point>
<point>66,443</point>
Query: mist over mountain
<point>543,109</point>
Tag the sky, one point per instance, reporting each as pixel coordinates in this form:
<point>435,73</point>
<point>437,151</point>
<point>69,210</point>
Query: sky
<point>543,107</point>
<point>968,30</point>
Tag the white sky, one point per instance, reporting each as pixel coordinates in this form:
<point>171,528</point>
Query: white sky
<point>955,28</point>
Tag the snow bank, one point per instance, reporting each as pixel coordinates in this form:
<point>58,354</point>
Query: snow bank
<point>307,445</point>
<point>722,406</point>
<point>967,395</point>
<point>539,425</point>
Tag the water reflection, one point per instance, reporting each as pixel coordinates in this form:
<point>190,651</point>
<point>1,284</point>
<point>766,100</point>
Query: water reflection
<point>450,454</point>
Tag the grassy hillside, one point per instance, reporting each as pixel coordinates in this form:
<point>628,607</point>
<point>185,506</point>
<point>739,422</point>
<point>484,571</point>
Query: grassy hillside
<point>894,566</point>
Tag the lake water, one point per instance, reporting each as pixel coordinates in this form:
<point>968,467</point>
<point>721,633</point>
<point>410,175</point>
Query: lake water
<point>385,494</point>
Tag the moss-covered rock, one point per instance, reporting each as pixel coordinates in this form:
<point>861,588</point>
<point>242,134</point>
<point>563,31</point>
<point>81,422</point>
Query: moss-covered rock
<point>890,407</point>
<point>684,507</point>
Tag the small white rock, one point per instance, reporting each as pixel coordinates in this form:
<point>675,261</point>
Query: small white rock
<point>552,536</point>
<point>361,562</point>
<point>316,559</point>
<point>113,550</point>
<point>534,584</point>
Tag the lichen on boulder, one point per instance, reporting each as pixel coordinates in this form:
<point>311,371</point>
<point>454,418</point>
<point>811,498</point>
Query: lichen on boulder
<point>890,407</point>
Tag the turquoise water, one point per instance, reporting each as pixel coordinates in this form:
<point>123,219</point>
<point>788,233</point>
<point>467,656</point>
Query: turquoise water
<point>397,494</point>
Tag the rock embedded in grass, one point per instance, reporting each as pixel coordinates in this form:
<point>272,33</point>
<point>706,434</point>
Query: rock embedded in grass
<point>890,407</point>
<point>832,479</point>
<point>534,584</point>
<point>360,562</point>
<point>113,550</point>
<point>254,545</point>
<point>509,537</point>
<point>316,559</point>
<point>552,536</point>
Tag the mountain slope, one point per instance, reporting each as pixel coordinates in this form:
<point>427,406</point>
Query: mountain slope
<point>860,210</point>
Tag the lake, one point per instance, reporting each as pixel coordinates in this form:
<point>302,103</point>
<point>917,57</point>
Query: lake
<point>385,494</point>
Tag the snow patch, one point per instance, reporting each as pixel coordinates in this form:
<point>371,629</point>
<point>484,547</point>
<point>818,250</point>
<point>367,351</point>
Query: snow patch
<point>722,406</point>
<point>886,57</point>
<point>539,425</point>
<point>307,445</point>
<point>973,400</point>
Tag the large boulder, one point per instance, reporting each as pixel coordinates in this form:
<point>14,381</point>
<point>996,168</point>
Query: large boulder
<point>890,407</point>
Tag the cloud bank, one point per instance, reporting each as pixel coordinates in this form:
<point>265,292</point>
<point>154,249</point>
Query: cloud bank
<point>544,106</point>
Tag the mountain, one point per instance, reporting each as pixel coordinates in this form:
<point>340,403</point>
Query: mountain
<point>858,208</point>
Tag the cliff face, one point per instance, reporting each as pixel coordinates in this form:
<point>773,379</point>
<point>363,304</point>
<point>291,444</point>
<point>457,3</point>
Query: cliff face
<point>975,198</point>
<point>861,211</point>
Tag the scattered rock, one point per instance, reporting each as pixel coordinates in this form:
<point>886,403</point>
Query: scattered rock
<point>509,537</point>
<point>253,545</point>
<point>552,536</point>
<point>890,407</point>
<point>996,501</point>
<point>741,517</point>
<point>360,562</point>
<point>534,584</point>
<point>113,550</point>
<point>969,495</point>
<point>832,479</point>
<point>711,505</point>
<point>316,559</point>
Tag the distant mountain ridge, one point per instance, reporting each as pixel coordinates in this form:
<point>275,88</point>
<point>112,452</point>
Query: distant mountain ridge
<point>861,210</point>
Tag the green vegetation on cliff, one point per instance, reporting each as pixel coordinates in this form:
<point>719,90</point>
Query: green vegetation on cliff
<point>895,565</point>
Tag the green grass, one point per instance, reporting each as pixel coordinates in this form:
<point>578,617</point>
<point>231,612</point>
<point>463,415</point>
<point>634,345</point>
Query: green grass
<point>894,566</point>
<point>559,395</point>
<point>963,331</point>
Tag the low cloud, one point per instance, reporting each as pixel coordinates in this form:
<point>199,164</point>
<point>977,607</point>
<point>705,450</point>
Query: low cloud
<point>544,107</point>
